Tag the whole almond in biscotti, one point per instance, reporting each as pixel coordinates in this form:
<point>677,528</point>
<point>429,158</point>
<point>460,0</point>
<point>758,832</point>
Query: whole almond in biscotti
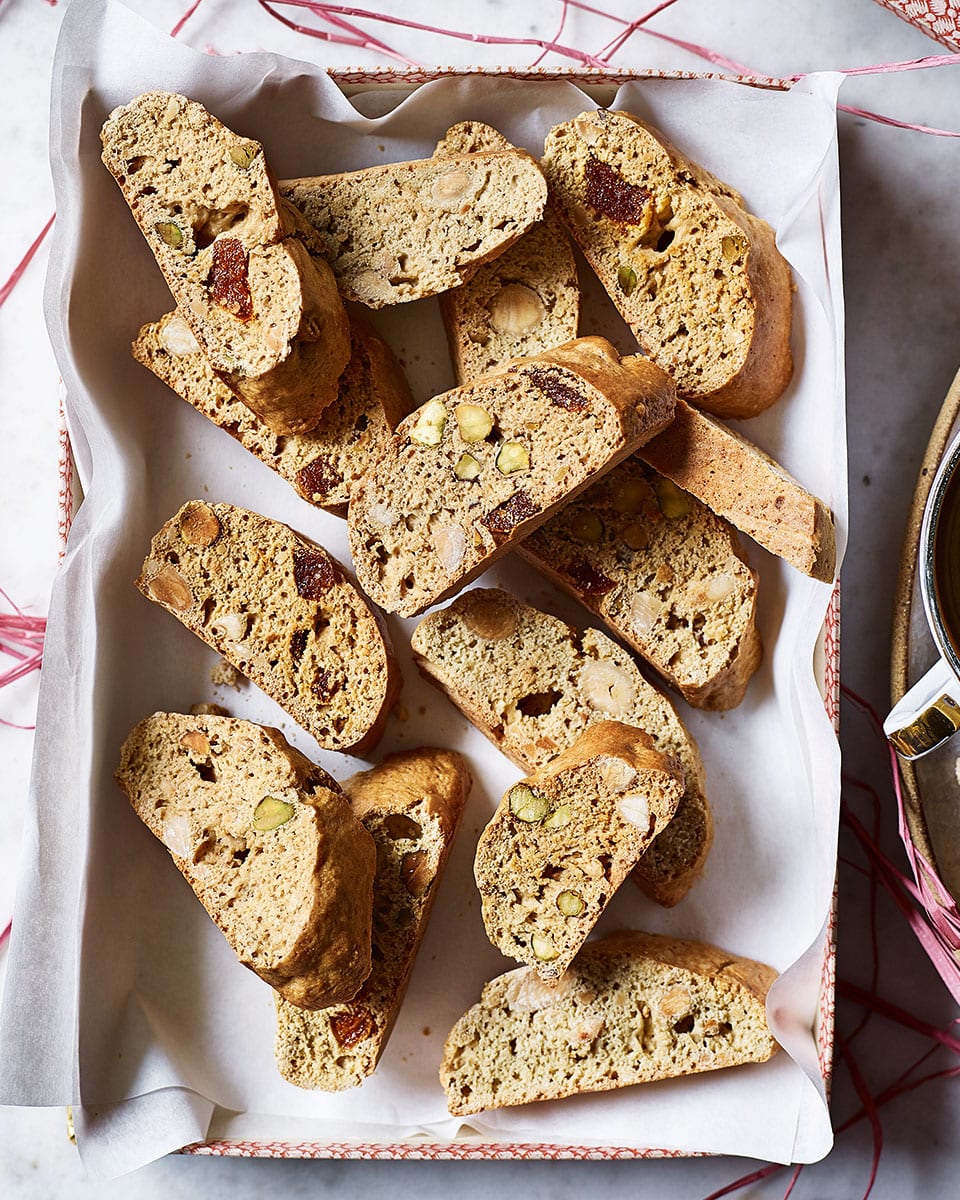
<point>666,574</point>
<point>248,275</point>
<point>411,804</point>
<point>323,464</point>
<point>697,278</point>
<point>742,483</point>
<point>523,302</point>
<point>403,231</point>
<point>284,612</point>
<point>564,839</point>
<point>267,841</point>
<point>532,684</point>
<point>476,469</point>
<point>633,1008</point>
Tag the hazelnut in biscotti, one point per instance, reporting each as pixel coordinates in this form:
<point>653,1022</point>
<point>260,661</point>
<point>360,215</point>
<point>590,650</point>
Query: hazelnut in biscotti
<point>248,275</point>
<point>666,574</point>
<point>268,843</point>
<point>532,684</point>
<point>474,470</point>
<point>283,612</point>
<point>404,231</point>
<point>697,278</point>
<point>322,465</point>
<point>411,804</point>
<point>523,302</point>
<point>564,839</point>
<point>633,1008</point>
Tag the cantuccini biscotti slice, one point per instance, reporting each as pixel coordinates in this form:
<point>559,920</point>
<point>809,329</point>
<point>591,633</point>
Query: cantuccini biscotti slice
<point>322,464</point>
<point>564,839</point>
<point>633,1008</point>
<point>411,805</point>
<point>283,612</point>
<point>247,273</point>
<point>520,304</point>
<point>697,278</point>
<point>268,843</point>
<point>472,471</point>
<point>746,486</point>
<point>403,231</point>
<point>665,573</point>
<point>533,684</point>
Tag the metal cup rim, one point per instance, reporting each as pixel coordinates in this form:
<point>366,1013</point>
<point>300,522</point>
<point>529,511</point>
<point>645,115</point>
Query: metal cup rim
<point>949,464</point>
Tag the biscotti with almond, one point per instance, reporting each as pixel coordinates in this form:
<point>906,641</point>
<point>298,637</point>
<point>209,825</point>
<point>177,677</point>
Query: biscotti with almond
<point>404,231</point>
<point>411,804</point>
<point>472,471</point>
<point>281,610</point>
<point>564,839</point>
<point>746,486</point>
<point>520,304</point>
<point>248,275</point>
<point>532,684</point>
<point>667,576</point>
<point>268,843</point>
<point>697,278</point>
<point>634,1007</point>
<point>322,465</point>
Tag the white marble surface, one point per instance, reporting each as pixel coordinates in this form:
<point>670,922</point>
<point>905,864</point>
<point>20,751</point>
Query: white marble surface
<point>902,280</point>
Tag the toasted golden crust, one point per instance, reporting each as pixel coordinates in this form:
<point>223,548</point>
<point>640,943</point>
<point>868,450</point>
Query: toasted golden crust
<point>421,526</point>
<point>411,804</point>
<point>532,684</point>
<point>404,231</point>
<point>268,843</point>
<point>522,303</point>
<point>665,573</point>
<point>698,278</point>
<point>284,612</point>
<point>633,1008</point>
<point>746,486</point>
<point>566,837</point>
<point>248,276</point>
<point>322,465</point>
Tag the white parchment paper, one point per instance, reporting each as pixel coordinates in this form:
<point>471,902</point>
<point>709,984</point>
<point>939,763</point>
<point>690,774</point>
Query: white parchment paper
<point>121,996</point>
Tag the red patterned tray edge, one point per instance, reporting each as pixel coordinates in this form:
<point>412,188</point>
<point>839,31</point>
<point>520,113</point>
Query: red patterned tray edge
<point>939,19</point>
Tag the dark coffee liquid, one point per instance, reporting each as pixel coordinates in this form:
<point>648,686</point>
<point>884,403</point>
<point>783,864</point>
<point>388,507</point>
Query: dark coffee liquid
<point>946,561</point>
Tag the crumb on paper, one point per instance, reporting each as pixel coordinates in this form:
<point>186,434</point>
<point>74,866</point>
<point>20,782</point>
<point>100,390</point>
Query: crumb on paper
<point>225,674</point>
<point>208,710</point>
<point>401,712</point>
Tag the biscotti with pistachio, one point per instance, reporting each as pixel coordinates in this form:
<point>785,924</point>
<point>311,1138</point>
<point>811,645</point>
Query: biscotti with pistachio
<point>248,275</point>
<point>284,612</point>
<point>268,843</point>
<point>697,278</point>
<point>633,1008</point>
<point>532,684</point>
<point>323,464</point>
<point>404,231</point>
<point>566,837</point>
<point>523,302</point>
<point>667,576</point>
<point>472,471</point>
<point>411,804</point>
